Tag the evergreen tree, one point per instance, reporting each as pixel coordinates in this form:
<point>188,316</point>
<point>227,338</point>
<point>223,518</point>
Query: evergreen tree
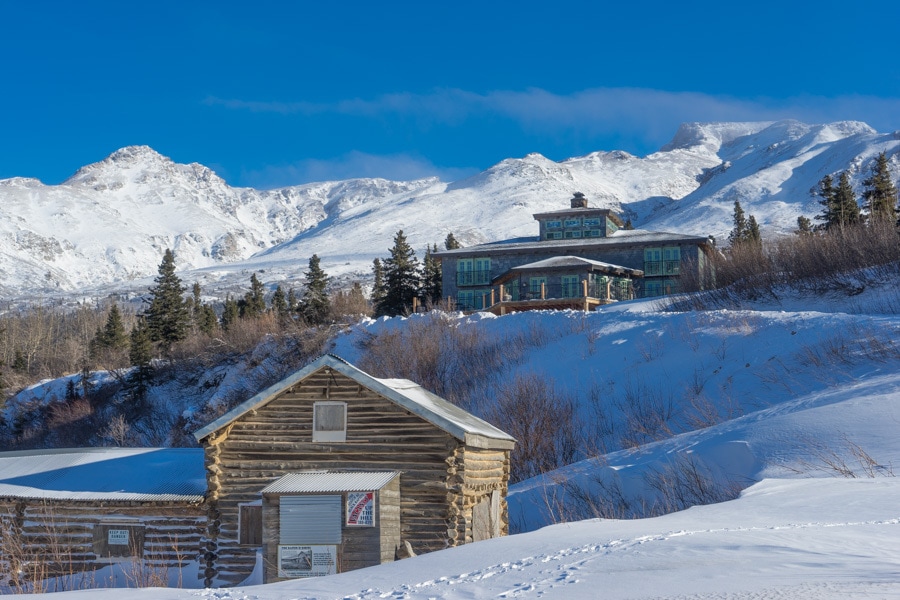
<point>804,226</point>
<point>230,313</point>
<point>451,243</point>
<point>846,207</point>
<point>378,283</point>
<point>432,288</point>
<point>207,321</point>
<point>739,231</point>
<point>827,193</point>
<point>880,193</point>
<point>315,307</point>
<point>253,304</point>
<point>402,279</point>
<point>141,356</point>
<point>746,230</point>
<point>752,235</point>
<point>167,316</point>
<point>279,302</point>
<point>291,300</point>
<point>112,335</point>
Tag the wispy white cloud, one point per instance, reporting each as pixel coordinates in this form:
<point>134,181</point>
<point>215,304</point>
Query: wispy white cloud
<point>646,113</point>
<point>397,167</point>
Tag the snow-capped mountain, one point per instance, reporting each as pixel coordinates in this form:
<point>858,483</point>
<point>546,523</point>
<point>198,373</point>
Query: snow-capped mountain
<point>106,227</point>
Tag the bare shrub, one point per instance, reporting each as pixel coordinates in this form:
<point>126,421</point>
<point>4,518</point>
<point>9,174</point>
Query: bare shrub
<point>649,414</point>
<point>542,419</point>
<point>848,459</point>
<point>687,482</point>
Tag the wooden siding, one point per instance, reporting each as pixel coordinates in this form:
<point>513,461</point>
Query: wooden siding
<point>276,439</point>
<point>58,537</point>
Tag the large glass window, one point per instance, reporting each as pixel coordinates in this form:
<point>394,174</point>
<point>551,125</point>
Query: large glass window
<point>571,286</point>
<point>671,260</point>
<point>653,261</point>
<point>535,284</point>
<point>473,271</point>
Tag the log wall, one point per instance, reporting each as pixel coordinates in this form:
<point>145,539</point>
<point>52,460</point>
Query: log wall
<point>276,439</point>
<point>57,538</point>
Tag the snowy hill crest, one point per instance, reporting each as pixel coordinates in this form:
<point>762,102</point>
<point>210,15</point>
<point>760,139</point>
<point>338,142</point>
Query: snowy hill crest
<point>105,228</point>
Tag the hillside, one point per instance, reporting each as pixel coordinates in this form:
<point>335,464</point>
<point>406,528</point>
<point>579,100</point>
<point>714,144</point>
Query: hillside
<point>789,408</point>
<point>104,229</point>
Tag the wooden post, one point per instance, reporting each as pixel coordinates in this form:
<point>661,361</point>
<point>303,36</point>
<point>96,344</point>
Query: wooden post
<point>543,291</point>
<point>415,305</point>
<point>492,297</point>
<point>502,293</point>
<point>584,287</point>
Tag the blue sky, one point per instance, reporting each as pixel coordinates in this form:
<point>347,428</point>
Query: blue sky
<point>280,93</point>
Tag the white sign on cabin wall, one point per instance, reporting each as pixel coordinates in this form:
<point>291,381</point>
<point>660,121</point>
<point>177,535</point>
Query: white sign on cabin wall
<point>306,561</point>
<point>361,508</point>
<point>117,537</point>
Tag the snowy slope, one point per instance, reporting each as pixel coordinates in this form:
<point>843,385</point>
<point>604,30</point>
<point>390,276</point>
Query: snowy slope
<point>805,386</point>
<point>104,229</point>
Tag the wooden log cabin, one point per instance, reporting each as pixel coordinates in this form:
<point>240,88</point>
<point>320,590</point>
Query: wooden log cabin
<point>332,469</point>
<point>100,517</point>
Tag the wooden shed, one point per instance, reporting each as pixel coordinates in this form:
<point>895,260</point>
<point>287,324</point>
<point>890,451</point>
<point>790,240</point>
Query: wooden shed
<point>450,470</point>
<point>93,516</point>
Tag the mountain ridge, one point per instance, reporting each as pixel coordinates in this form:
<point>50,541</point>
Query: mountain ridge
<point>105,228</point>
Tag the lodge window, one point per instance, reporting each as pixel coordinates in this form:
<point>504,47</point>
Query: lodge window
<point>592,233</point>
<point>250,524</point>
<point>329,422</point>
<point>473,271</point>
<point>573,234</point>
<point>553,235</point>
<point>553,224</point>
<point>592,222</point>
<point>611,227</point>
<point>573,222</point>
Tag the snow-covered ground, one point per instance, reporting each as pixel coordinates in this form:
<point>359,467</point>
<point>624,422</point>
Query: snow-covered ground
<point>808,393</point>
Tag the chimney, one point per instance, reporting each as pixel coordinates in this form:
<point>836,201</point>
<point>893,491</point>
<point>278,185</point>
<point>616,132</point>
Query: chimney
<point>579,201</point>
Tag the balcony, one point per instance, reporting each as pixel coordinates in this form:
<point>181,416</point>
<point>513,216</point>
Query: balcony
<point>662,267</point>
<point>474,277</point>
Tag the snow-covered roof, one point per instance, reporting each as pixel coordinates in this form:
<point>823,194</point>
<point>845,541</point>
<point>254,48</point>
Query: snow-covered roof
<point>459,423</point>
<point>622,237</point>
<point>558,262</point>
<point>110,474</point>
<point>330,481</point>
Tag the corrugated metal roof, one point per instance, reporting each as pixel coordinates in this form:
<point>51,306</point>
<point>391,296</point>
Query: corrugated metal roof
<point>127,474</point>
<point>411,396</point>
<point>330,481</point>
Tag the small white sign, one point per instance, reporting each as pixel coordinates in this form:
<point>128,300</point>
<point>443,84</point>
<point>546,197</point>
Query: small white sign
<point>117,537</point>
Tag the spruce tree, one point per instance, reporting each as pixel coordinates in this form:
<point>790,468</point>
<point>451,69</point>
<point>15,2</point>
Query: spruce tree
<point>230,313</point>
<point>827,193</point>
<point>378,283</point>
<point>880,193</point>
<point>207,320</point>
<point>739,231</point>
<point>432,280</point>
<point>804,226</point>
<point>141,356</point>
<point>450,242</point>
<point>253,304</point>
<point>167,317</point>
<point>111,336</point>
<point>846,207</point>
<point>291,300</point>
<point>402,279</point>
<point>315,307</point>
<point>279,302</point>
